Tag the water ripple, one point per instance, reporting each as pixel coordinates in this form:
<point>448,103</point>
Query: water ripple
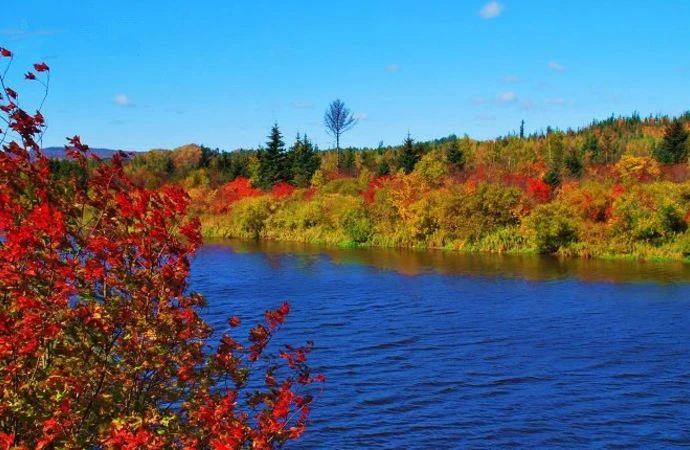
<point>469,360</point>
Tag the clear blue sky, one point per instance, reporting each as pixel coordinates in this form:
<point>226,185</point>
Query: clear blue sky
<point>142,74</point>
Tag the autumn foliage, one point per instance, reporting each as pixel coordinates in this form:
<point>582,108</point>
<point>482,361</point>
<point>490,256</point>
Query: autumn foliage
<point>101,341</point>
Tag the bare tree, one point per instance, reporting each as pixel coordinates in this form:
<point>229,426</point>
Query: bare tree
<point>338,119</point>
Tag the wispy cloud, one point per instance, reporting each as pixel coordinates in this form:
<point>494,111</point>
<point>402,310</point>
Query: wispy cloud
<point>393,68</point>
<point>506,97</point>
<point>555,65</point>
<point>122,100</point>
<point>511,78</point>
<point>361,116</point>
<point>491,10</point>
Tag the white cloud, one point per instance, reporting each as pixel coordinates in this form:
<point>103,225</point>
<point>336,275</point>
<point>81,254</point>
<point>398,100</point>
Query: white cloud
<point>491,10</point>
<point>121,100</point>
<point>506,97</point>
<point>555,65</point>
<point>393,68</point>
<point>361,116</point>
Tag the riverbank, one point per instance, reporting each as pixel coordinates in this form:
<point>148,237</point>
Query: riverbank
<point>346,222</point>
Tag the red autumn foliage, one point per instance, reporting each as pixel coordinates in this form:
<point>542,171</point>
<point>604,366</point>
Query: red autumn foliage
<point>282,190</point>
<point>41,67</point>
<point>374,185</point>
<point>231,192</point>
<point>538,190</point>
<point>101,342</point>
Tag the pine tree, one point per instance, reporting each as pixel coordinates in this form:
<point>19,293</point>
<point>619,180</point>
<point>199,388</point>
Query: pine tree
<point>573,161</point>
<point>272,161</point>
<point>304,160</point>
<point>591,146</point>
<point>408,156</point>
<point>455,156</point>
<point>383,168</point>
<point>674,148</point>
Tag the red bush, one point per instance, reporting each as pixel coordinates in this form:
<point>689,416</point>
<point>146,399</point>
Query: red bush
<point>231,192</point>
<point>282,190</point>
<point>374,185</point>
<point>101,343</point>
<point>538,190</point>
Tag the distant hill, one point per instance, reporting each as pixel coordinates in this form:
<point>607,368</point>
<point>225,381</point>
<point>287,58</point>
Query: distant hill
<point>59,152</point>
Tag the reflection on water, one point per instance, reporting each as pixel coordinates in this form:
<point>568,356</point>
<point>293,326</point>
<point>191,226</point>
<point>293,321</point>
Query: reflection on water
<point>415,262</point>
<point>493,358</point>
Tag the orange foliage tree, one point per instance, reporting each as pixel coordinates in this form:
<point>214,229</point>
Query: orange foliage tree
<point>101,343</point>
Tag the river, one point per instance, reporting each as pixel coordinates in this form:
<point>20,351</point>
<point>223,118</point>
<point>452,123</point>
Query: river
<point>435,350</point>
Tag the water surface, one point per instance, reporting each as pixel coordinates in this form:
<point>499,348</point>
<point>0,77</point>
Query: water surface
<point>444,350</point>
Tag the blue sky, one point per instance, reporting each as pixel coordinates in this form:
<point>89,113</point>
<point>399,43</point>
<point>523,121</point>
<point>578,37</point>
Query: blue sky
<point>137,75</point>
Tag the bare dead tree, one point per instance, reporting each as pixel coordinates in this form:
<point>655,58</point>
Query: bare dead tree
<point>338,119</point>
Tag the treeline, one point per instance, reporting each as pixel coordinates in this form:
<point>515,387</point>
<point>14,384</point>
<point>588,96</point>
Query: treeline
<point>565,154</point>
<point>616,187</point>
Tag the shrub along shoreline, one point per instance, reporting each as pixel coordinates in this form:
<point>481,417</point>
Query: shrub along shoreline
<point>646,221</point>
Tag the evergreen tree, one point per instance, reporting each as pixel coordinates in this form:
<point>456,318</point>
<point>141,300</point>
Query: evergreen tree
<point>522,129</point>
<point>409,155</point>
<point>674,147</point>
<point>383,168</point>
<point>553,176</point>
<point>305,161</point>
<point>573,162</point>
<point>591,146</point>
<point>272,161</point>
<point>169,166</point>
<point>207,154</point>
<point>455,156</point>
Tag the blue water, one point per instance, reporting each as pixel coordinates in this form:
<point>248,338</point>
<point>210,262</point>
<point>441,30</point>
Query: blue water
<point>448,351</point>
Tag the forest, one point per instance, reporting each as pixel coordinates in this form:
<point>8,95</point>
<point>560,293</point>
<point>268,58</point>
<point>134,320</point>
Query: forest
<point>616,188</point>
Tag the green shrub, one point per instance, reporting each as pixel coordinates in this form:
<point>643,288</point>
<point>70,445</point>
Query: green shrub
<point>550,228</point>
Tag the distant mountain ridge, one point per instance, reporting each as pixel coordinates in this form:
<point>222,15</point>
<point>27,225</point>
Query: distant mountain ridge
<point>59,152</point>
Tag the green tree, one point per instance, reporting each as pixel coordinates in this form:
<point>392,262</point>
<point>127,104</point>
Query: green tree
<point>409,155</point>
<point>272,161</point>
<point>674,147</point>
<point>591,147</point>
<point>455,156</point>
<point>573,162</point>
<point>305,161</point>
<point>383,168</point>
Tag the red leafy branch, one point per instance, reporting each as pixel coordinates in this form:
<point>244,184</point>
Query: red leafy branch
<point>101,344</point>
